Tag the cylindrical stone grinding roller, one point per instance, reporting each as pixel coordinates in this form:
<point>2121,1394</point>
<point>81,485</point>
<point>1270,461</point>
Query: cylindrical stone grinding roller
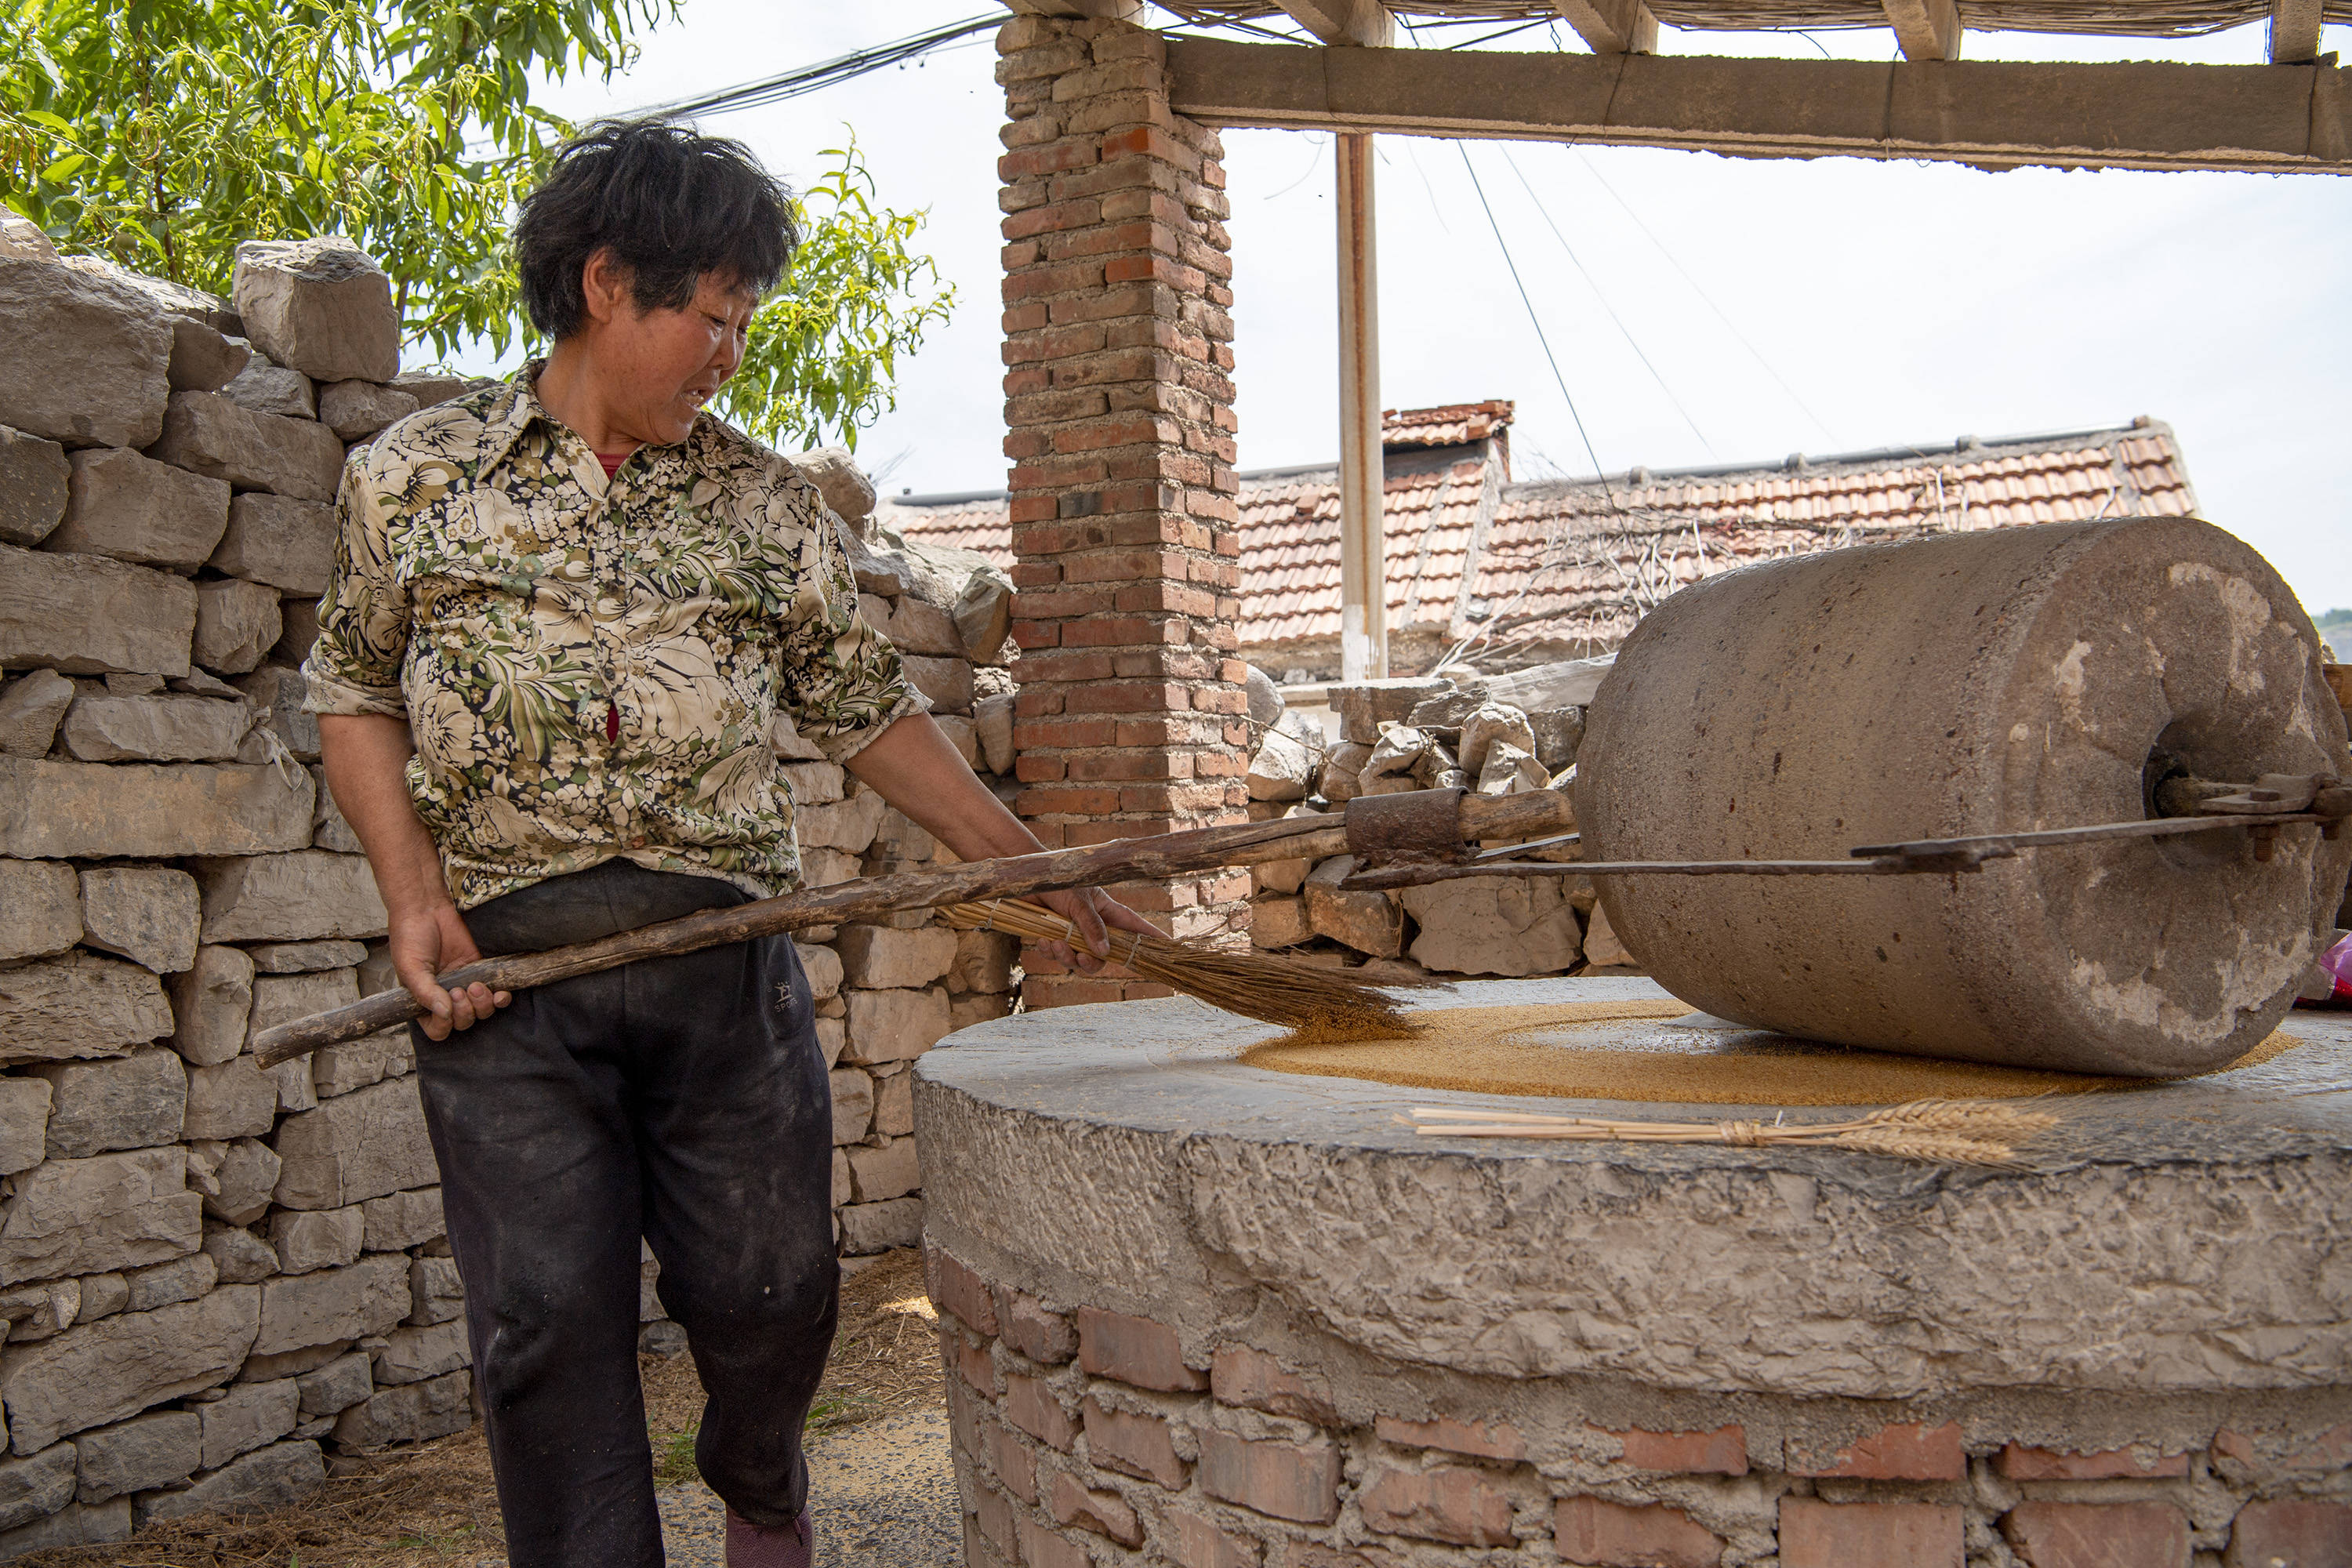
<point>1994,682</point>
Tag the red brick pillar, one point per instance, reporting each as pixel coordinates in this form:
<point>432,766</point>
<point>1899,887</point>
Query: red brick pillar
<point>1119,425</point>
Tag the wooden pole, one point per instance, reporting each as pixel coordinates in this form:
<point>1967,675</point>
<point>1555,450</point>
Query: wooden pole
<point>1363,567</point>
<point>1052,871</point>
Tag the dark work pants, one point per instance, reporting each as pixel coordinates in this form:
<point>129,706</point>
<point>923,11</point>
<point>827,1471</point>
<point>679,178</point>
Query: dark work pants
<point>683,1099</point>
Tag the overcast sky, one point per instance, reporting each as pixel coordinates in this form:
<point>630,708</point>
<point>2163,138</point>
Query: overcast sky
<point>1820,306</point>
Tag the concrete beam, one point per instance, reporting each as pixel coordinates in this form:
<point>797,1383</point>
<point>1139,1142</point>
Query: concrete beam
<point>1104,10</point>
<point>1612,26</point>
<point>2294,31</point>
<point>1367,23</point>
<point>1993,114</point>
<point>1928,29</point>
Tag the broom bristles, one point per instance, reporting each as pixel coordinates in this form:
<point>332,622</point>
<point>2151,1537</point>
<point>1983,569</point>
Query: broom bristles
<point>1956,1131</point>
<point>1314,1004</point>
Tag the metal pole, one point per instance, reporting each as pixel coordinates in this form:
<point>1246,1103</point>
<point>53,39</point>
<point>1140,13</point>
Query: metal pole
<point>1363,577</point>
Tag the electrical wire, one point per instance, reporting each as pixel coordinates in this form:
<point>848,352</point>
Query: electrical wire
<point>1536,321</point>
<point>1607,309</point>
<point>1729,325</point>
<point>810,78</point>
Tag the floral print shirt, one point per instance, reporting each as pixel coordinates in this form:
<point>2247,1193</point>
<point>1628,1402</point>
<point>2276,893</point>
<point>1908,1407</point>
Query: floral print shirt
<point>596,668</point>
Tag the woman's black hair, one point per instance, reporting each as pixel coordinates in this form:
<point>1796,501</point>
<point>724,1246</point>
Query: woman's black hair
<point>671,206</point>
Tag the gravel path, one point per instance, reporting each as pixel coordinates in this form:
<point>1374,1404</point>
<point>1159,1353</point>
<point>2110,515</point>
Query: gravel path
<point>884,1492</point>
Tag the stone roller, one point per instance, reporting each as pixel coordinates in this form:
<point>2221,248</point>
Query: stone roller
<point>2013,680</point>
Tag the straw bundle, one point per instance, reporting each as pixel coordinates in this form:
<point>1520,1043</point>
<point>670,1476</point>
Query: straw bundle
<point>1315,1004</point>
<point>1956,1131</point>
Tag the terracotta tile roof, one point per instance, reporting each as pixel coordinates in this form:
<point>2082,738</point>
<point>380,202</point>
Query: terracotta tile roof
<point>1563,567</point>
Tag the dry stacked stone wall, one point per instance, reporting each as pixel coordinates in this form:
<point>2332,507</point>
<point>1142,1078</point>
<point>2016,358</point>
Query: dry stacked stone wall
<point>214,1278</point>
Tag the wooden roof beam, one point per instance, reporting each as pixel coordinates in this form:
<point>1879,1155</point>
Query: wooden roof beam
<point>1364,23</point>
<point>1999,114</point>
<point>1104,10</point>
<point>1614,26</point>
<point>2294,32</point>
<point>1929,30</point>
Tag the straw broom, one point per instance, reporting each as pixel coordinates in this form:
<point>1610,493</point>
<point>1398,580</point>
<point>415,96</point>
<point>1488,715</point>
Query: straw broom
<point>1956,1131</point>
<point>1317,1004</point>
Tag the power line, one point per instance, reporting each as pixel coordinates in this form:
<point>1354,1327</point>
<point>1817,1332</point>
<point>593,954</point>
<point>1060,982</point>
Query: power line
<point>1611,311</point>
<point>1707,299</point>
<point>810,78</point>
<point>1536,321</point>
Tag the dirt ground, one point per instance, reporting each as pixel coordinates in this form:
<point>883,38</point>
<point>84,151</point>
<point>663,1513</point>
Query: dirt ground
<point>431,1505</point>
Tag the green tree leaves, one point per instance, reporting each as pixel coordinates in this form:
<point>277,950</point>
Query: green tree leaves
<point>161,132</point>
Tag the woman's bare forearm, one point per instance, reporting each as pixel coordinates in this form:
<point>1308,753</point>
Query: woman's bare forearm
<point>914,766</point>
<point>365,755</point>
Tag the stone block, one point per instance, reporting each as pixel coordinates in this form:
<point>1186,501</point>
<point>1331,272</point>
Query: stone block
<point>306,957</point>
<point>290,1363</point>
<point>76,1524</point>
<point>246,1416</point>
<point>40,1311</point>
<point>886,1172</point>
<point>266,388</point>
<point>79,1005</point>
<point>965,1011</point>
<point>282,998</point>
<point>211,1006</point>
<point>1283,769</point>
<point>356,410</point>
<point>412,1356</point>
<point>295,1092</point>
<point>340,1069</point>
<point>882,957</point>
<point>182,1280</point>
<point>894,1026</point>
<point>823,967</point>
<point>237,625</point>
<point>848,826</point>
<point>35,476</point>
<point>838,478</point>
<point>1601,948</point>
<point>299,897</point>
<point>88,357</point>
<point>24,1123</point>
<point>321,306</point>
<point>437,1294</point>
<point>1447,1503</point>
<point>401,1220</point>
<point>146,913</point>
<point>159,1449</point>
<point>40,909</point>
<point>894,1105</point>
<point>335,1387</point>
<point>106,1212</point>
<point>103,1371</point>
<point>946,681</point>
<point>276,1477</point>
<point>163,728</point>
<point>1370,922</point>
<point>410,1413</point>
<point>357,1146</point>
<point>1296,1481</point>
<point>133,1102</point>
<point>1594,1530</point>
<point>370,1297</point>
<point>1493,925</point>
<point>1364,705</point>
<point>430,388</point>
<point>852,1104</point>
<point>211,434</point>
<point>132,508</point>
<point>245,1175</point>
<point>1817,1534</point>
<point>962,736</point>
<point>877,1227</point>
<point>832,1035</point>
<point>58,810</point>
<point>242,1257</point>
<point>204,358</point>
<point>815,784</point>
<point>30,709</point>
<point>318,1238</point>
<point>1279,922</point>
<point>87,615</point>
<point>992,718</point>
<point>102,1296</point>
<point>1136,1350</point>
<point>983,962</point>
<point>284,542</point>
<point>40,1485</point>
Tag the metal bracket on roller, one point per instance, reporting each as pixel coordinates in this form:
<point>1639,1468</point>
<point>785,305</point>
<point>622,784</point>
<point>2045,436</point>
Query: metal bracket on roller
<point>1422,827</point>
